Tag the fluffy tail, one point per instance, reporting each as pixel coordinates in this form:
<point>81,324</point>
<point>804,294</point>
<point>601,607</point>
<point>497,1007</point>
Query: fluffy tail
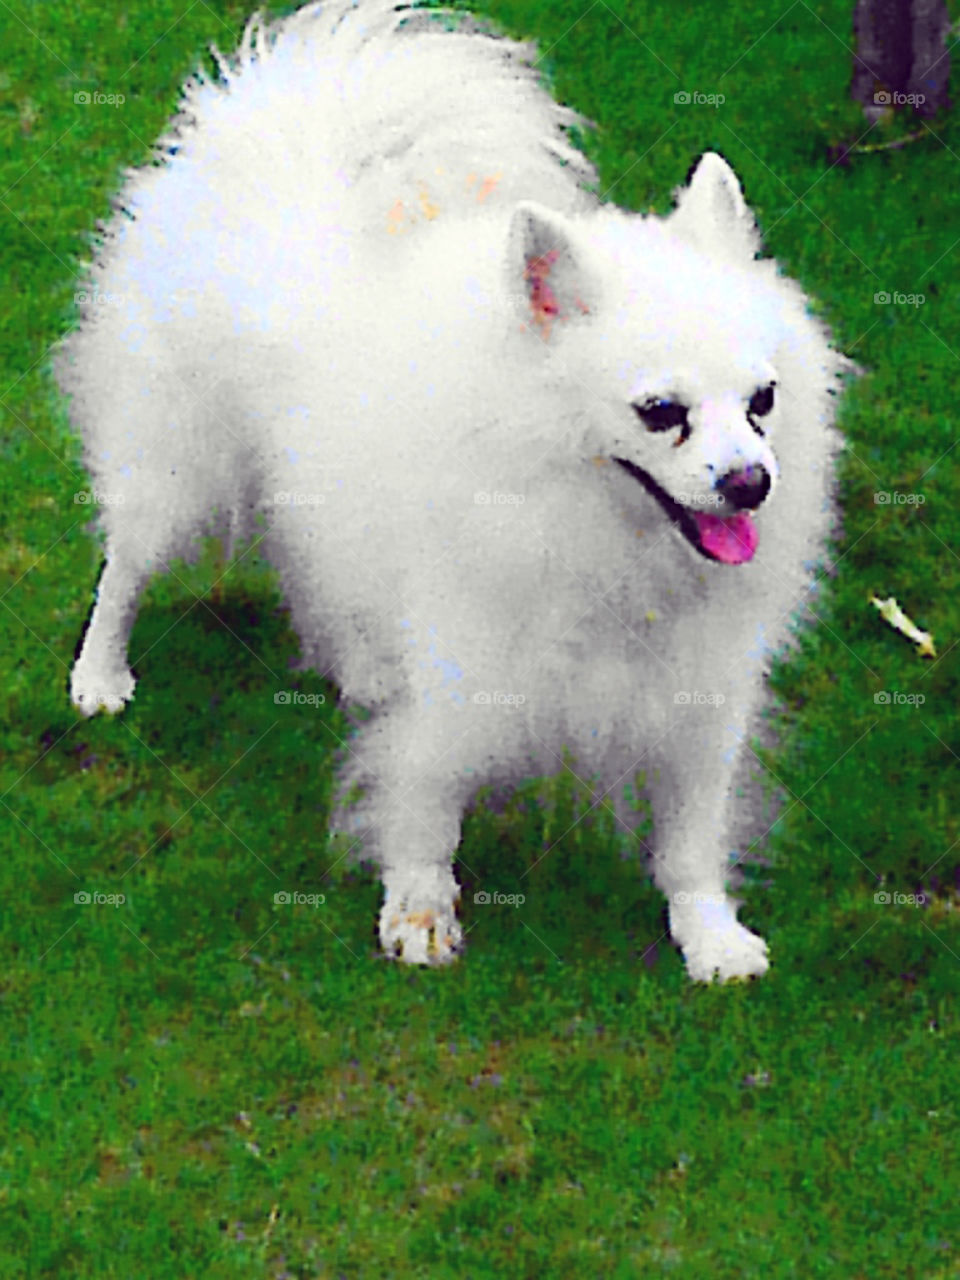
<point>411,112</point>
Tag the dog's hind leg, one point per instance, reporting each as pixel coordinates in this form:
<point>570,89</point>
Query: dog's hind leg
<point>101,675</point>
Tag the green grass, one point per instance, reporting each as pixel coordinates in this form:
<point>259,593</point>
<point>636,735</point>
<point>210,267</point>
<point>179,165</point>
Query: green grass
<point>200,1083</point>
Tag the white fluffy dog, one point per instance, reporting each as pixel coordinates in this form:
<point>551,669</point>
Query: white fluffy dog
<point>537,472</point>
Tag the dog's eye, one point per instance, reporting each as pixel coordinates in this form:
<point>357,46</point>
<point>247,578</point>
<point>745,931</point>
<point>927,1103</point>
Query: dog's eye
<point>662,415</point>
<point>761,402</point>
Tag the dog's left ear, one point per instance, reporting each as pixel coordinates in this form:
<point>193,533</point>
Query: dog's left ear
<point>547,266</point>
<point>712,212</point>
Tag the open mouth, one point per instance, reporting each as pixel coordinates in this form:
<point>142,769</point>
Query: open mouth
<point>727,539</point>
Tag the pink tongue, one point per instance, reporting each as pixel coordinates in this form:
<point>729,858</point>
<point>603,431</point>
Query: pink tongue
<point>732,539</point>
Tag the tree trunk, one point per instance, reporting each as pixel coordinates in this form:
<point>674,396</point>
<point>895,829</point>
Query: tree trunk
<point>901,58</point>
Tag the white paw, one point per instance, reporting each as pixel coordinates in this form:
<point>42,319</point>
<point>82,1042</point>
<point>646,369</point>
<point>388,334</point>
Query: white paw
<point>421,927</point>
<point>713,942</point>
<point>90,690</point>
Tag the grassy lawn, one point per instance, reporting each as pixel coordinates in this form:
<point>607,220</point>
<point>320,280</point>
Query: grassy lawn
<point>199,1081</point>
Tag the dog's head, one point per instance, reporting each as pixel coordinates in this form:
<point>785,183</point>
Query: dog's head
<point>665,334</point>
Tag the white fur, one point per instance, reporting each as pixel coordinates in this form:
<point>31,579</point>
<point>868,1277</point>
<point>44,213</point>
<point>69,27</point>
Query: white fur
<point>324,290</point>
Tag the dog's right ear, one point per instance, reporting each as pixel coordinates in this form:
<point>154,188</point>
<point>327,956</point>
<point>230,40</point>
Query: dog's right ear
<point>545,266</point>
<point>712,213</point>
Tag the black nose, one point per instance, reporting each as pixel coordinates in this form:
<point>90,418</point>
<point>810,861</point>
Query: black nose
<point>746,488</point>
